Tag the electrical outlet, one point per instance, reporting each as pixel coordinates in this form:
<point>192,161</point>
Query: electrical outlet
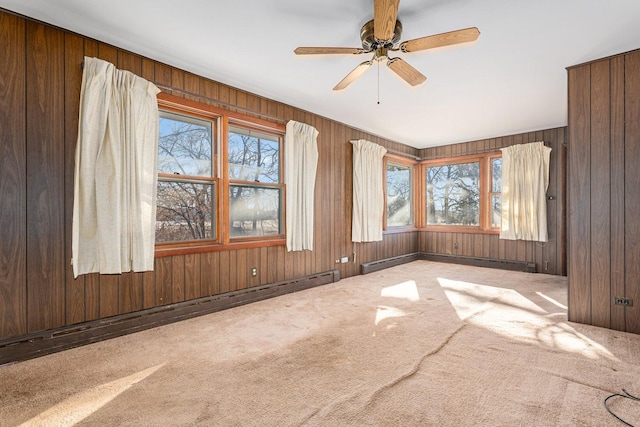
<point>254,271</point>
<point>344,259</point>
<point>623,301</point>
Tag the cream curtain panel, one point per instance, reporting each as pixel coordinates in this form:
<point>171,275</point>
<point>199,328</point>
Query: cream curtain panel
<point>525,178</point>
<point>368,192</point>
<point>114,204</point>
<point>301,164</point>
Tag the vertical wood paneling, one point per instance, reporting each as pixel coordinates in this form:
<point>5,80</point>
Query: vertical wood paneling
<point>280,254</point>
<point>130,293</point>
<point>73,57</point>
<point>192,278</point>
<point>272,259</point>
<point>164,281</point>
<point>109,284</point>
<point>45,177</point>
<point>148,289</point>
<point>241,269</point>
<point>561,206</point>
<point>617,191</point>
<point>611,88</point>
<point>13,178</point>
<point>264,266</point>
<point>548,254</point>
<point>600,195</point>
<point>632,190</point>
<point>224,272</point>
<point>91,281</point>
<point>177,277</point>
<point>210,275</point>
<point>579,167</point>
<point>92,296</point>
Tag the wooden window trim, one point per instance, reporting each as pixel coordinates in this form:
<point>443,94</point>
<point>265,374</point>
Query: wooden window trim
<point>221,119</point>
<point>484,160</point>
<point>415,194</point>
<point>245,123</point>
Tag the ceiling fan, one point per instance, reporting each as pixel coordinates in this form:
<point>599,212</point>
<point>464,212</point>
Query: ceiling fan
<point>381,35</point>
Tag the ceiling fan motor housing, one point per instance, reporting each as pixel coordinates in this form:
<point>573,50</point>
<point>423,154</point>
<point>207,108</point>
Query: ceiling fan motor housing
<point>370,42</point>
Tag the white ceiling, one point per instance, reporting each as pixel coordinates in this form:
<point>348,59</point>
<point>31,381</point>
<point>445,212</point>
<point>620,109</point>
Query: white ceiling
<point>512,80</point>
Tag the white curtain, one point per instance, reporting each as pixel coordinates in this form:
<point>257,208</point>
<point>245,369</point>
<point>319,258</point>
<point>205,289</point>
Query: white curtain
<point>114,204</point>
<point>525,178</point>
<point>368,191</point>
<point>301,164</point>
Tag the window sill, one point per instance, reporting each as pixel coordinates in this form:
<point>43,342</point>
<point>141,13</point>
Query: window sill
<point>459,229</point>
<point>396,230</point>
<point>164,250</point>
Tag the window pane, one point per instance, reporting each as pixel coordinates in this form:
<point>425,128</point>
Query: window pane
<point>453,194</point>
<point>254,211</point>
<point>185,145</point>
<point>399,206</point>
<point>496,175</point>
<point>185,211</point>
<point>496,210</point>
<point>253,156</point>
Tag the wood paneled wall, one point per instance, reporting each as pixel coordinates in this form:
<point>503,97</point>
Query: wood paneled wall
<point>40,78</point>
<point>549,257</point>
<point>604,196</point>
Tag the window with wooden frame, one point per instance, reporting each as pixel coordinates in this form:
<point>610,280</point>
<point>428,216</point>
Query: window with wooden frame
<point>187,178</point>
<point>255,182</point>
<point>400,198</point>
<point>220,182</point>
<point>463,193</point>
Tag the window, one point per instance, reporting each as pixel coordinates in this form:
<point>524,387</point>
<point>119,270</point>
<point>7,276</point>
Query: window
<point>399,195</point>
<point>255,183</point>
<point>186,179</point>
<point>453,194</point>
<point>220,180</point>
<point>463,192</point>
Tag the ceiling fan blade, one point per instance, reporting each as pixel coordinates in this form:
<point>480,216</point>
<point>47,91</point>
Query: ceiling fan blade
<point>327,50</point>
<point>353,75</point>
<point>440,40</point>
<point>406,72</point>
<point>385,13</point>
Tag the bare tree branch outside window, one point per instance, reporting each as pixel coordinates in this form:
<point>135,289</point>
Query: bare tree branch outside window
<point>453,194</point>
<point>254,159</point>
<point>399,197</point>
<point>185,201</point>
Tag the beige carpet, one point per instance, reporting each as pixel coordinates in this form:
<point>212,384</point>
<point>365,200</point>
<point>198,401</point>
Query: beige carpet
<point>422,344</point>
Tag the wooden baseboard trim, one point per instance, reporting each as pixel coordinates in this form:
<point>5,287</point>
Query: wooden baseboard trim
<point>54,340</point>
<point>528,267</point>
<point>370,267</point>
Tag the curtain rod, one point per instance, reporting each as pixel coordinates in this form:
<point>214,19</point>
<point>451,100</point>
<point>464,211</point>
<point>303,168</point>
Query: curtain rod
<point>221,103</point>
<point>402,154</point>
<point>245,110</point>
<point>216,101</point>
<point>470,153</point>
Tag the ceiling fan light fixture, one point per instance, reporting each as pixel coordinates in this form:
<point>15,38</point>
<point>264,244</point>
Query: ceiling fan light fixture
<point>381,35</point>
<point>370,42</point>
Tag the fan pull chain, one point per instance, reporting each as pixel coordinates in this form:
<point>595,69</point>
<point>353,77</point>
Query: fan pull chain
<point>378,82</point>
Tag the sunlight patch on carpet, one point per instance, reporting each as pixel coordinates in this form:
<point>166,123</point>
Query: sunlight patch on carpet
<point>405,290</point>
<point>81,405</point>
<point>512,315</point>
<point>552,301</point>
<point>385,312</point>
